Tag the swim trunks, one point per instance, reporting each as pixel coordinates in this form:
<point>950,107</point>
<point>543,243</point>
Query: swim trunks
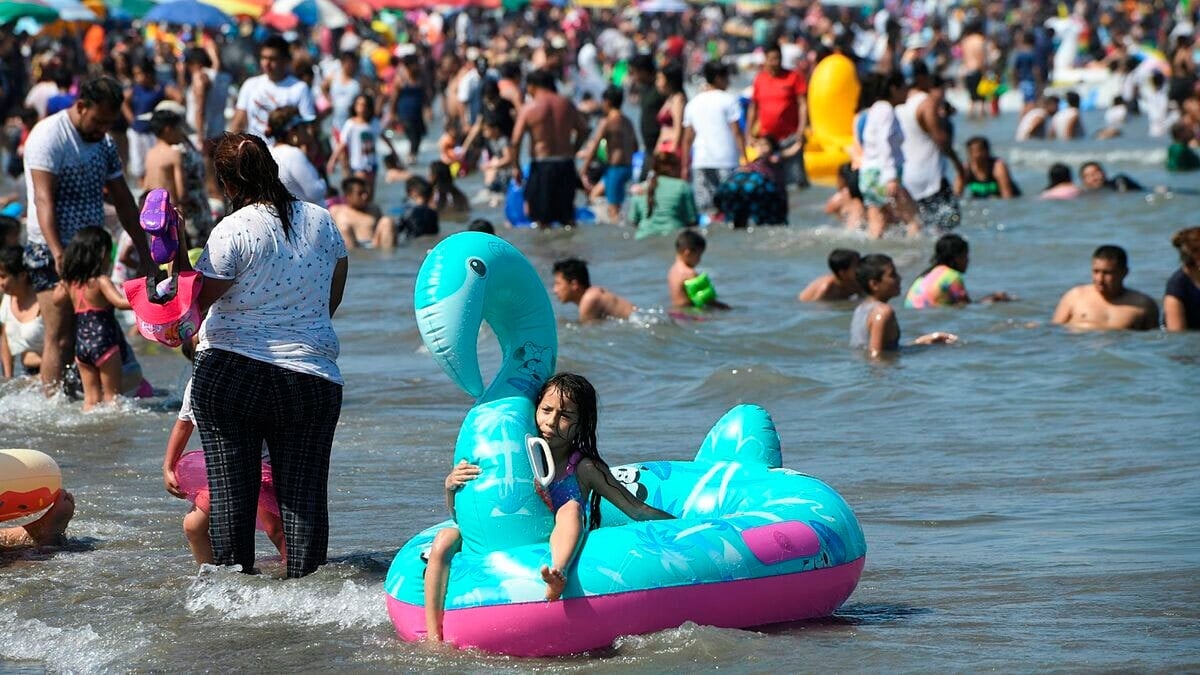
<point>873,187</point>
<point>940,209</point>
<point>616,179</point>
<point>550,190</point>
<point>40,264</point>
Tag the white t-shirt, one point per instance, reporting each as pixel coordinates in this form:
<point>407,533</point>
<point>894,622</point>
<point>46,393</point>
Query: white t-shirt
<point>882,140</point>
<point>259,96</point>
<point>360,144</point>
<point>277,310</point>
<point>709,115</point>
<point>298,174</point>
<point>81,169</point>
<point>39,96</point>
<point>27,336</point>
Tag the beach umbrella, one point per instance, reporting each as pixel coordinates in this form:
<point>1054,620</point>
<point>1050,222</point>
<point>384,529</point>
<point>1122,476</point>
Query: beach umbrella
<point>188,13</point>
<point>662,6</point>
<point>24,9</point>
<point>72,10</point>
<point>250,8</point>
<point>313,12</point>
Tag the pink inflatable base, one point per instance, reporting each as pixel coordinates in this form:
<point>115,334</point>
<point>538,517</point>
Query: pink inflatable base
<point>192,474</point>
<point>579,624</point>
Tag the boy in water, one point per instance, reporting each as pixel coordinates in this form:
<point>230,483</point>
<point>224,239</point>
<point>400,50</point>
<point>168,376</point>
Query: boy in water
<point>573,284</point>
<point>359,220</point>
<point>874,326</point>
<point>840,284</point>
<point>617,132</point>
<point>1106,304</point>
<point>689,249</point>
<point>420,219</point>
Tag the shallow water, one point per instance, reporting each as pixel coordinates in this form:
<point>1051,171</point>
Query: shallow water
<point>1028,496</point>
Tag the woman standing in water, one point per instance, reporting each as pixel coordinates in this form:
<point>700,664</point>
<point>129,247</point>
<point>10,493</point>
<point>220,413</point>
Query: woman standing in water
<point>266,366</point>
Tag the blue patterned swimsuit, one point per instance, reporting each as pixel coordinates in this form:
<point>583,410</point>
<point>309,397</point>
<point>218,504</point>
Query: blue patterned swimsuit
<point>98,336</point>
<point>565,488</point>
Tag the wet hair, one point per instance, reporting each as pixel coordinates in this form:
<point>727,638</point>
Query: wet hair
<point>276,42</point>
<point>87,254</point>
<point>576,389</point>
<point>542,79</point>
<point>872,268</point>
<point>248,174</point>
<point>350,181</point>
<point>481,225</point>
<point>1058,174</point>
<point>392,161</point>
<point>1072,99</point>
<point>1187,242</point>
<point>665,164</point>
<point>12,261</point>
<point>162,120</point>
<point>614,96</point>
<point>714,70</point>
<point>877,87</point>
<point>690,240</point>
<point>102,91</point>
<point>573,269</point>
<point>1180,132</point>
<point>842,259</point>
<point>948,249</point>
<point>8,227</point>
<point>443,178</point>
<point>420,186</point>
<point>1094,163</point>
<point>673,74</point>
<point>1114,253</point>
<point>980,141</point>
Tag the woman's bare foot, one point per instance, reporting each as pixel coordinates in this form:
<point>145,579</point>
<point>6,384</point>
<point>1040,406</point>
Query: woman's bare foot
<point>555,580</point>
<point>50,529</point>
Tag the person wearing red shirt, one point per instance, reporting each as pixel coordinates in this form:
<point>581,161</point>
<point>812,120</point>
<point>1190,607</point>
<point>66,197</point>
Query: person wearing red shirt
<point>778,110</point>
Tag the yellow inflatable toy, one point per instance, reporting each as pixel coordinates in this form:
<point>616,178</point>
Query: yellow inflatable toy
<point>832,97</point>
<point>29,482</point>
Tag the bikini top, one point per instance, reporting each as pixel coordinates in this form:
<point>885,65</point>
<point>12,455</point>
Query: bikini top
<point>565,488</point>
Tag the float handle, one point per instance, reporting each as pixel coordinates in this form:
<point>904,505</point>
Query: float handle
<point>537,462</point>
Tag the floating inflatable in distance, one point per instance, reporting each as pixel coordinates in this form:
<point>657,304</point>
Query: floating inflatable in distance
<point>29,482</point>
<point>833,92</point>
<point>754,543</point>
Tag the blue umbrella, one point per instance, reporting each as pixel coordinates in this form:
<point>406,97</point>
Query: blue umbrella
<point>188,13</point>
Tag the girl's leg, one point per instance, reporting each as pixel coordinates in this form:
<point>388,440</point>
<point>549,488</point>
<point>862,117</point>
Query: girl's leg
<point>564,541</point>
<point>273,527</point>
<point>110,377</point>
<point>195,527</point>
<point>301,419</point>
<point>228,397</point>
<point>89,377</point>
<point>437,573</point>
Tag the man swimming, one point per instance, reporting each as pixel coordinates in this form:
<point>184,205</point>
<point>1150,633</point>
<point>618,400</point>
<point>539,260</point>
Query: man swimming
<point>573,284</point>
<point>1106,304</point>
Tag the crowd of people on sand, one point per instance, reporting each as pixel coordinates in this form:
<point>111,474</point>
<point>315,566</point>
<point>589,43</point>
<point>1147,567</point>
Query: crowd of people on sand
<point>95,119</point>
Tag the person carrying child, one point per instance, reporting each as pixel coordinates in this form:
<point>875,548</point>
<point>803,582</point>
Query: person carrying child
<point>566,415</point>
<point>100,345</point>
<point>195,523</point>
<point>689,288</point>
<point>874,326</point>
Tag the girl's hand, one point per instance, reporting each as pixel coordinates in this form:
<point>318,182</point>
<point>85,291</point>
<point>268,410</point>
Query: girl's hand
<point>461,474</point>
<point>172,483</point>
<point>936,339</point>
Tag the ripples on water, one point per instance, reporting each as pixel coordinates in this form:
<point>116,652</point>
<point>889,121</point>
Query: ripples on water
<point>1028,496</point>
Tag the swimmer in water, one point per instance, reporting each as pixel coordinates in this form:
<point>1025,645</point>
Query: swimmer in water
<point>874,326</point>
<point>1106,304</point>
<point>689,248</point>
<point>573,284</point>
<point>840,284</point>
<point>942,283</point>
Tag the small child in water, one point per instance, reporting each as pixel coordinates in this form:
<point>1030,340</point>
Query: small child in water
<point>842,281</point>
<point>689,288</point>
<point>195,523</point>
<point>874,326</point>
<point>566,415</point>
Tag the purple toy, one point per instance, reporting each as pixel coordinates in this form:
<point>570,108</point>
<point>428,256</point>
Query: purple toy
<point>160,220</point>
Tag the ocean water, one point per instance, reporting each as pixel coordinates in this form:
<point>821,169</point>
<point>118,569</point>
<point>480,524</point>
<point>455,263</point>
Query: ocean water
<point>1029,496</point>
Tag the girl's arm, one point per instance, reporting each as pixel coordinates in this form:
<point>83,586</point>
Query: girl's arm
<point>460,475</point>
<point>1003,180</point>
<point>109,290</point>
<point>176,443</point>
<point>595,476</point>
<point>339,149</point>
<point>6,357</point>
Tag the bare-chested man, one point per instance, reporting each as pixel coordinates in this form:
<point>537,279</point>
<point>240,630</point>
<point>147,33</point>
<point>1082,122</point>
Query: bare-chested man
<point>572,284</point>
<point>620,139</point>
<point>359,220</point>
<point>557,131</point>
<point>840,284</point>
<point>1106,304</point>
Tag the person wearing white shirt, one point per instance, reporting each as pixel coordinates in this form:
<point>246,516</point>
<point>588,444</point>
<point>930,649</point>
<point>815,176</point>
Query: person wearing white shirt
<point>275,88</point>
<point>711,136</point>
<point>292,133</point>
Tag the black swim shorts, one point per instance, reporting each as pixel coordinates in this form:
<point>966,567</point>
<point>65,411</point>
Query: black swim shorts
<point>550,191</point>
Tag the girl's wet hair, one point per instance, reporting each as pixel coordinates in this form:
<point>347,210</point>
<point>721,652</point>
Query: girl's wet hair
<point>12,261</point>
<point>947,251</point>
<point>248,175</point>
<point>665,164</point>
<point>87,255</point>
<point>872,268</point>
<point>576,389</point>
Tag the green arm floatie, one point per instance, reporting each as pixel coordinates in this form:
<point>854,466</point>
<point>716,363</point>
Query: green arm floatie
<point>700,289</point>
